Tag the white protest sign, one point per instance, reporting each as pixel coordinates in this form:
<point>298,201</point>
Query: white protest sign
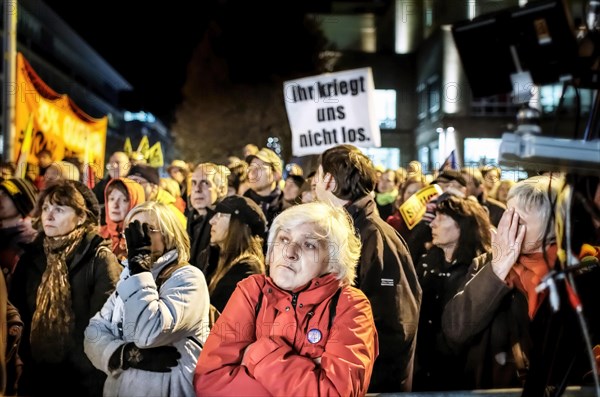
<point>332,109</point>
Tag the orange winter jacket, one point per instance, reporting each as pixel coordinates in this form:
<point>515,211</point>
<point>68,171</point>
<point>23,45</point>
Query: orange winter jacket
<point>287,347</point>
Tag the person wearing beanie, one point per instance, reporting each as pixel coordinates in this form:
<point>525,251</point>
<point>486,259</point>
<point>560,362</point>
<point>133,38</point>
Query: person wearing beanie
<point>237,228</point>
<point>149,178</point>
<point>292,190</point>
<point>62,279</point>
<point>17,199</point>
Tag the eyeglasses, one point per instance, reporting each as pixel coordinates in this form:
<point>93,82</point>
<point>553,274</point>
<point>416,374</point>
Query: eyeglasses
<point>151,229</point>
<point>220,215</point>
<point>113,166</point>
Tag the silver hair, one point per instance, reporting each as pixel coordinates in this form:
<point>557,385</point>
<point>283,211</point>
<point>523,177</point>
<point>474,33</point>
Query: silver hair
<point>538,194</point>
<point>331,224</point>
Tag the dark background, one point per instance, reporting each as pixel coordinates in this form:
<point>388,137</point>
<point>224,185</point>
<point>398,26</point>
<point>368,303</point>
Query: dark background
<point>149,43</point>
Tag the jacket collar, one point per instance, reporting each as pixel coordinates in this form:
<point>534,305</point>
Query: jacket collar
<point>314,292</point>
<point>363,206</point>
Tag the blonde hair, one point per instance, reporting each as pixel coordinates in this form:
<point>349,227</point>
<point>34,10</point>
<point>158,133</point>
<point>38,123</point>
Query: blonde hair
<point>173,233</point>
<point>538,194</point>
<point>332,224</point>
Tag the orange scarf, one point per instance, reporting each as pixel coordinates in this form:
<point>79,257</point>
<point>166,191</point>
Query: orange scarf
<point>528,272</point>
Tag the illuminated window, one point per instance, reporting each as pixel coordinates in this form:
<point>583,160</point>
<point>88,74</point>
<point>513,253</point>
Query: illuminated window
<point>385,108</point>
<point>424,156</point>
<point>479,151</point>
<point>383,156</point>
<point>485,151</point>
<point>550,97</point>
<point>422,104</point>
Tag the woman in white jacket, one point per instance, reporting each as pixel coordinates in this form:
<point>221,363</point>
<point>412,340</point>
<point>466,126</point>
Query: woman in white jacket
<point>149,334</point>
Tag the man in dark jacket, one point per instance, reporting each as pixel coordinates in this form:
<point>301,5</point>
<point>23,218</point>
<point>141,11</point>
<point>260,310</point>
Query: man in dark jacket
<point>476,187</point>
<point>265,170</point>
<point>209,186</point>
<point>346,178</point>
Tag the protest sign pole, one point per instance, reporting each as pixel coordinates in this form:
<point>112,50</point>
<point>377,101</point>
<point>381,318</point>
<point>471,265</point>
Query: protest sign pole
<point>10,91</point>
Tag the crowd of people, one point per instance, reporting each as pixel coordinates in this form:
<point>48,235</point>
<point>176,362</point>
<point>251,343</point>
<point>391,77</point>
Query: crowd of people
<point>253,278</point>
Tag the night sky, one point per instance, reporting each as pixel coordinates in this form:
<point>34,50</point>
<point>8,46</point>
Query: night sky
<point>149,43</point>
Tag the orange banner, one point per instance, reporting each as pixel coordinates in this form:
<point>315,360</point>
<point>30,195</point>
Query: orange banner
<point>58,124</point>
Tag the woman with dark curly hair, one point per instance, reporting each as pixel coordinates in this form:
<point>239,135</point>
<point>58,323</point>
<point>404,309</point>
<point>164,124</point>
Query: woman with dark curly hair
<point>461,236</point>
<point>63,278</point>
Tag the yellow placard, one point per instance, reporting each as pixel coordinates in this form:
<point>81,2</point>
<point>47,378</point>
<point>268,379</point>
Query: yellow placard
<point>144,146</point>
<point>155,156</point>
<point>58,124</point>
<point>413,209</point>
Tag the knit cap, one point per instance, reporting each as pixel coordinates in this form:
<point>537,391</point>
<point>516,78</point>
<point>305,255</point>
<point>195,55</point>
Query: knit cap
<point>22,192</point>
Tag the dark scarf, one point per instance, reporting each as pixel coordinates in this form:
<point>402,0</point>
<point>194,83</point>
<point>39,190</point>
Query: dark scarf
<point>53,321</point>
<point>267,203</point>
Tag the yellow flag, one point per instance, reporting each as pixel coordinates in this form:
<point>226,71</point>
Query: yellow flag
<point>155,155</point>
<point>127,147</point>
<point>144,146</point>
<point>25,148</point>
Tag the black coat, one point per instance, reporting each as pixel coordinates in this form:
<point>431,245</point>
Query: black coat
<point>198,229</point>
<point>387,277</point>
<point>222,291</point>
<point>93,274</point>
<point>437,366</point>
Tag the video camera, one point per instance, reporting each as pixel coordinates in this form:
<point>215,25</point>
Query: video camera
<point>515,49</point>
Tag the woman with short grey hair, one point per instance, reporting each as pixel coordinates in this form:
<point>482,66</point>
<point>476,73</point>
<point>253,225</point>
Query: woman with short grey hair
<point>302,330</point>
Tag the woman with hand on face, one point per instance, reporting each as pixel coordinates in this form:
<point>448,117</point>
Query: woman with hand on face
<point>237,228</point>
<point>498,313</point>
<point>302,330</point>
<point>63,278</point>
<point>121,195</point>
<point>149,334</point>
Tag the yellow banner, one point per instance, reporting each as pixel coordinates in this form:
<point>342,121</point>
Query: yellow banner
<point>58,124</point>
<point>413,209</point>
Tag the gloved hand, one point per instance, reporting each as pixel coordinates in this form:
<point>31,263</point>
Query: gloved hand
<point>154,359</point>
<point>138,247</point>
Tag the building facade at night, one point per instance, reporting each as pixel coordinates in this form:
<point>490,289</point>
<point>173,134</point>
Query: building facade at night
<point>423,89</point>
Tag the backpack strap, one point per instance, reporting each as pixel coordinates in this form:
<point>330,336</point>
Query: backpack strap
<point>258,304</point>
<point>91,269</point>
<point>333,307</point>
